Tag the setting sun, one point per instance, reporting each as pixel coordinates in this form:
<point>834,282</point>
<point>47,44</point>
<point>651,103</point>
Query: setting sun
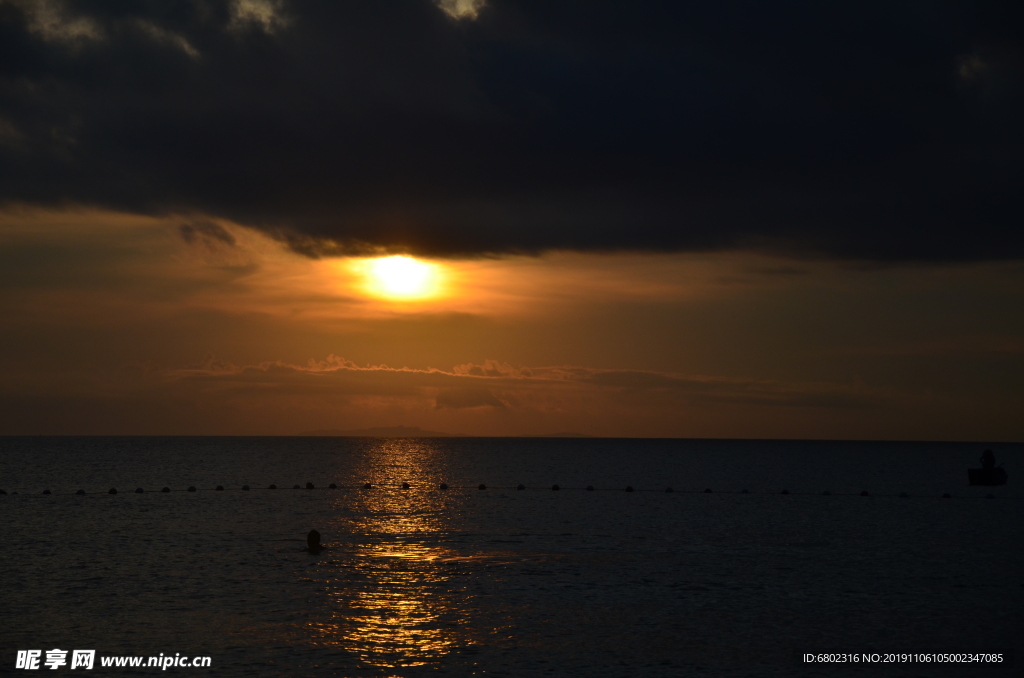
<point>400,277</point>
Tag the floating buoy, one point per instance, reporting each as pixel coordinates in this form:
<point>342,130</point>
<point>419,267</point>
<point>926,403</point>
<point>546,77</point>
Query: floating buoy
<point>481,486</point>
<point>3,491</point>
<point>947,495</point>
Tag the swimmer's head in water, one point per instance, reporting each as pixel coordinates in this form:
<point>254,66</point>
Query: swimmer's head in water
<point>313,540</point>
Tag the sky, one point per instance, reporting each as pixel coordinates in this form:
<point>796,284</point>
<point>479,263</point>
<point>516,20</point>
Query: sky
<point>498,217</point>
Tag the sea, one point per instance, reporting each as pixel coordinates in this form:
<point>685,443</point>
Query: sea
<point>687,558</point>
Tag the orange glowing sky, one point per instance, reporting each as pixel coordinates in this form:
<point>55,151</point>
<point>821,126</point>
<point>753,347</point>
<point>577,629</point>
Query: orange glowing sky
<point>118,323</point>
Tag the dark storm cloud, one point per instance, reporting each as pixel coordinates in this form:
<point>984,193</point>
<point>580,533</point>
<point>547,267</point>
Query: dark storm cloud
<point>885,131</point>
<point>205,230</point>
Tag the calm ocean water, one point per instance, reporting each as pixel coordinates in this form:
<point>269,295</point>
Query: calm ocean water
<point>507,582</point>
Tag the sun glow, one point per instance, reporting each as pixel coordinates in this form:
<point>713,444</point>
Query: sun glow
<point>400,278</point>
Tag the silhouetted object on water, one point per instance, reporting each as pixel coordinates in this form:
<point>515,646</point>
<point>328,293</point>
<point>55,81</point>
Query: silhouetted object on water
<point>112,491</point>
<point>313,542</point>
<point>629,488</point>
<point>864,493</point>
<point>482,487</point>
<point>191,488</point>
<point>988,474</point>
<point>166,490</point>
<point>79,492</point>
<point>521,487</point>
<point>333,486</point>
<point>219,488</point>
<point>707,490</point>
<point>272,487</point>
<point>245,487</point>
<point>405,486</point>
<point>785,492</point>
<point>826,493</point>
<point>904,495</point>
<point>46,492</point>
<point>668,489</point>
<point>590,488</point>
<point>947,495</point>
<point>744,491</point>
<point>555,488</point>
<point>367,486</point>
<point>296,487</point>
<point>139,490</point>
<point>443,486</point>
<point>309,486</point>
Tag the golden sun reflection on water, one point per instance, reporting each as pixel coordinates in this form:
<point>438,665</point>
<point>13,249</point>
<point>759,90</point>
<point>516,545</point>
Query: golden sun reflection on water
<point>402,615</point>
<point>394,602</point>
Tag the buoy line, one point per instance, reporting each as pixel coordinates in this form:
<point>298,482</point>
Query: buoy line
<point>444,487</point>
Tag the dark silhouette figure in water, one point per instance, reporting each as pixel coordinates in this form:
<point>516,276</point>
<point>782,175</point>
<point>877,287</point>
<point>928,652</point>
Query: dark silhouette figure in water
<point>989,473</point>
<point>988,460</point>
<point>313,542</point>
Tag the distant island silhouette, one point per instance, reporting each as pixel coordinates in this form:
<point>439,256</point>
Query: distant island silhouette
<point>417,432</point>
<point>560,434</point>
<point>383,432</point>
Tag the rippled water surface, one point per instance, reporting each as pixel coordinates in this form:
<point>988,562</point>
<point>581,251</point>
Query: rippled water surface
<point>500,581</point>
